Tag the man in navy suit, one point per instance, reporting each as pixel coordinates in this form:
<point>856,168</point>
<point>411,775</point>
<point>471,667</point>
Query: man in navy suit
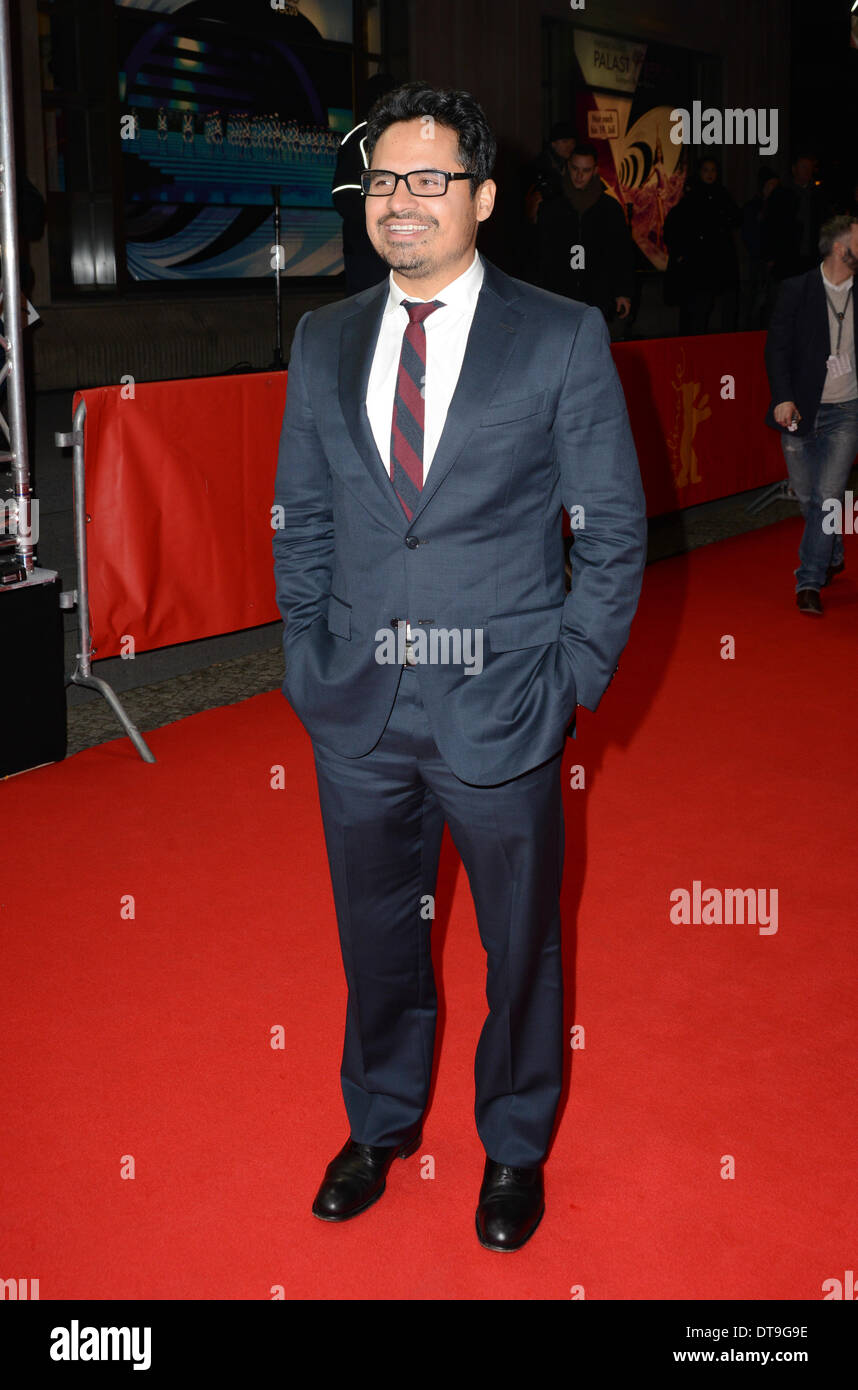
<point>810,359</point>
<point>435,426</point>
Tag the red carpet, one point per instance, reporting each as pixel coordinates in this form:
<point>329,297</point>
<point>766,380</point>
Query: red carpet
<point>151,1036</point>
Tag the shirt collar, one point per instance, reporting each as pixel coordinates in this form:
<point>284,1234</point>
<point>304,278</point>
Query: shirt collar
<point>460,294</point>
<point>844,284</point>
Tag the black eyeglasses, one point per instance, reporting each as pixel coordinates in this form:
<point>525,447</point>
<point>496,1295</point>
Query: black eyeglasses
<point>427,183</point>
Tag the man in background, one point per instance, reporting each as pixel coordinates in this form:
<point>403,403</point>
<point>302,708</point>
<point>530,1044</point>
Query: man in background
<point>545,174</point>
<point>796,213</point>
<point>585,248</point>
<point>810,359</point>
<point>699,233</point>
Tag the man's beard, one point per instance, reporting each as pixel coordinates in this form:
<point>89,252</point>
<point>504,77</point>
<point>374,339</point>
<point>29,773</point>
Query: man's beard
<point>410,260</point>
<point>418,264</point>
<point>413,264</point>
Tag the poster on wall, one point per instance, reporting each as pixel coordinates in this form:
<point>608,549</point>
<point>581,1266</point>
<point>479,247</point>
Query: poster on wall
<point>625,94</point>
<point>220,104</point>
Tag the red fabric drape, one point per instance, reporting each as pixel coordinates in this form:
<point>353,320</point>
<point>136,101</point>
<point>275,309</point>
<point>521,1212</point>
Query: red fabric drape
<point>695,440</point>
<point>179,489</point>
<point>180,479</point>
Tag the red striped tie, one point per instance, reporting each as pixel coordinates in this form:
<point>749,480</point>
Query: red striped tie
<point>406,437</point>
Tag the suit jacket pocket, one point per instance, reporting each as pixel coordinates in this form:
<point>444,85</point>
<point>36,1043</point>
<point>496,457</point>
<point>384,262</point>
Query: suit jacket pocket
<point>511,632</point>
<point>507,411</point>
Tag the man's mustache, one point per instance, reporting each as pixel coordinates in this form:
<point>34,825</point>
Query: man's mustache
<point>408,217</point>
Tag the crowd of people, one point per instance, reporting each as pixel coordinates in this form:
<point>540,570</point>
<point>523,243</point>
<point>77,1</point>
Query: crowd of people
<point>801,255</point>
<point>784,262</point>
<point>725,261</point>
<point>580,245</point>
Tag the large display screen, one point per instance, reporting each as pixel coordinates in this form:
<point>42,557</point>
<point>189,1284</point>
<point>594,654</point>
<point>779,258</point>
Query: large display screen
<point>220,104</point>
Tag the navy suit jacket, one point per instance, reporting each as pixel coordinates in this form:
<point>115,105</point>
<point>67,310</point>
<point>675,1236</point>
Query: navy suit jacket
<point>537,420</point>
<point>798,345</point>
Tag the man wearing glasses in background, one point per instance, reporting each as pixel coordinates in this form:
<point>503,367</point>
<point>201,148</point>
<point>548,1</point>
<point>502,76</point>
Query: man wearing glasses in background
<point>434,427</point>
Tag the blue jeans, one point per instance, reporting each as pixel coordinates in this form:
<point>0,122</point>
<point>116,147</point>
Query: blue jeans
<point>819,465</point>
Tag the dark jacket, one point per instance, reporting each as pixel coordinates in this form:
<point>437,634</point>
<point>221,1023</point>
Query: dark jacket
<point>698,233</point>
<point>798,346</point>
<point>795,216</point>
<point>537,422</point>
<point>546,172</point>
<point>761,233</point>
<point>608,252</point>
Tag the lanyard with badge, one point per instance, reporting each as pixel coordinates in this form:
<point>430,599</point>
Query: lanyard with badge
<point>839,363</point>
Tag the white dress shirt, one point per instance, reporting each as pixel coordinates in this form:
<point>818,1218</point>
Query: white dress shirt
<point>447,332</point>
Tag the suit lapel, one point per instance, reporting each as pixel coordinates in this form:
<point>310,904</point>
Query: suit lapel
<point>358,338</point>
<point>490,342</point>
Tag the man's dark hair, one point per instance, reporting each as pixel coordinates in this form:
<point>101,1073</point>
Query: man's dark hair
<point>584,147</point>
<point>456,110</point>
<point>835,229</point>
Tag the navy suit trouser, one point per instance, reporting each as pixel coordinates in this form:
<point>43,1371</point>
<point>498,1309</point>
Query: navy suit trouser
<point>383,817</point>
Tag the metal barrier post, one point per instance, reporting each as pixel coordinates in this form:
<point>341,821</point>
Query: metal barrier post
<point>776,492</point>
<point>82,674</point>
<point>13,366</point>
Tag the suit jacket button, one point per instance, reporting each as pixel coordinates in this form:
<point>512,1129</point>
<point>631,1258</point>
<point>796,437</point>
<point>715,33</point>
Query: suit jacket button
<point>412,542</point>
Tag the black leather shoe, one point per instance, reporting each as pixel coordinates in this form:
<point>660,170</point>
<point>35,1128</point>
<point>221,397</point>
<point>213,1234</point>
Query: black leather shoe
<point>832,571</point>
<point>357,1176</point>
<point>808,601</point>
<point>512,1202</point>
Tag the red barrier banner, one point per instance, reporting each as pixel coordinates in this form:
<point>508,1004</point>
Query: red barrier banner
<point>697,407</point>
<point>179,490</point>
<point>180,479</point>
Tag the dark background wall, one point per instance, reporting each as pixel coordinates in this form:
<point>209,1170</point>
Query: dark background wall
<point>494,49</point>
<point>824,87</point>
